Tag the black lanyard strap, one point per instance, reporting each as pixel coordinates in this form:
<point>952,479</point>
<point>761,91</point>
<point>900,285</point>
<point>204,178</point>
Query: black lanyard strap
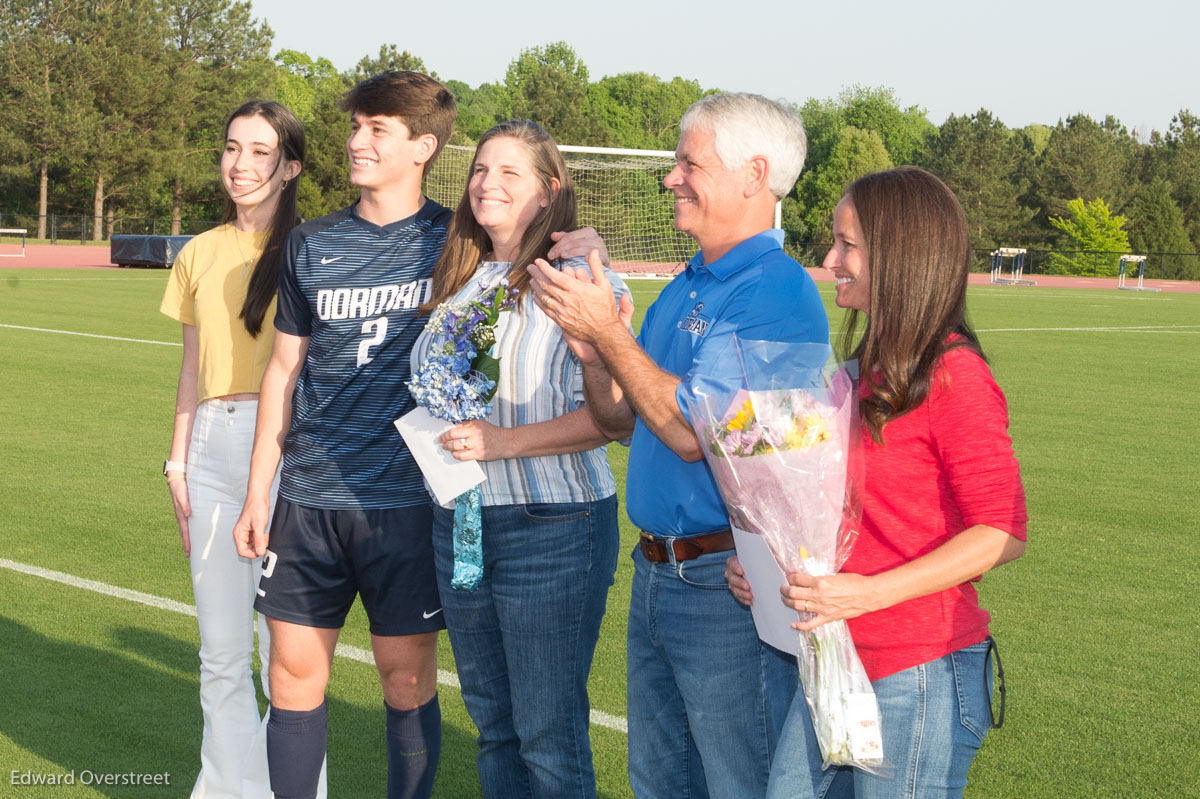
<point>994,650</point>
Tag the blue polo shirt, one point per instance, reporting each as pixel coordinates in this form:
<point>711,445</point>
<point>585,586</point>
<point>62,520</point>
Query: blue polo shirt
<point>755,291</point>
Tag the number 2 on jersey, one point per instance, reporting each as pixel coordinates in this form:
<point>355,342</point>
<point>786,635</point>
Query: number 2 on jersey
<point>380,327</point>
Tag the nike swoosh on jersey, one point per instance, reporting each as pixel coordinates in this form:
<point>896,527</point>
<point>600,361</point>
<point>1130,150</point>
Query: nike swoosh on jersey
<point>331,260</point>
<point>430,615</point>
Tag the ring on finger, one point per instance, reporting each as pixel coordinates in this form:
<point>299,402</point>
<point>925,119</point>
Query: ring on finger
<point>806,606</point>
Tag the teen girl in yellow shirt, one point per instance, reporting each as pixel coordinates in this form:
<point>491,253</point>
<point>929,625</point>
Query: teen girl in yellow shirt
<point>222,289</point>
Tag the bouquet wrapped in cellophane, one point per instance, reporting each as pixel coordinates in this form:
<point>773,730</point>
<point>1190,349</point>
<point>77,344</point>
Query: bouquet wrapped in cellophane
<point>783,448</point>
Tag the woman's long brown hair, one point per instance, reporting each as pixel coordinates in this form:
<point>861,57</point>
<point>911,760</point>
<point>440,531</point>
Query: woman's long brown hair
<point>264,280</point>
<point>467,243</point>
<point>919,253</point>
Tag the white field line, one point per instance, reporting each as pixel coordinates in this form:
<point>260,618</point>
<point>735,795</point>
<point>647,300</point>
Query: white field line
<point>94,335</point>
<point>646,276</point>
<point>1076,294</point>
<point>1008,292</point>
<point>1183,329</point>
<point>72,279</point>
<point>1139,328</point>
<point>446,678</point>
<point>1107,298</point>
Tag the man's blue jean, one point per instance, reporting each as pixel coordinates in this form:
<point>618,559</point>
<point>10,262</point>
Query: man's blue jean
<point>523,641</point>
<point>933,718</point>
<point>707,699</point>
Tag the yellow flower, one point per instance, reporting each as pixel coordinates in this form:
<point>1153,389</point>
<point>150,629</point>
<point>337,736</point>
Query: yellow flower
<point>817,432</point>
<point>742,418</point>
<point>795,437</point>
<point>807,432</point>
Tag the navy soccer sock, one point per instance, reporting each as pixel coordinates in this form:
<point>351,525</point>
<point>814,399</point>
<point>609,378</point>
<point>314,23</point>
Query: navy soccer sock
<point>414,743</point>
<point>295,750</point>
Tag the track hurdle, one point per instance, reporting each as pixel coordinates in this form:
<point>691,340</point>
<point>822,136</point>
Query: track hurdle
<point>1140,260</point>
<point>1017,265</point>
<point>14,231</point>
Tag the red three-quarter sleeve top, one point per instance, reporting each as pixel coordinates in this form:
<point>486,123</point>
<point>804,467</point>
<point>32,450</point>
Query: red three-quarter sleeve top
<point>944,467</point>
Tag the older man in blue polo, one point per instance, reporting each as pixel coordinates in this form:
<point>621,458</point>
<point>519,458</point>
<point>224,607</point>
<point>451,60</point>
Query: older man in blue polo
<point>706,698</point>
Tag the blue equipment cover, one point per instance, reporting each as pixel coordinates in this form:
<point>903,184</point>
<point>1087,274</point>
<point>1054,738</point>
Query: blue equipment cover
<point>146,250</point>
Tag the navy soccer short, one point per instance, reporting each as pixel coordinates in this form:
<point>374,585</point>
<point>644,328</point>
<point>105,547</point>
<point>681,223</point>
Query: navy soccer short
<point>317,560</point>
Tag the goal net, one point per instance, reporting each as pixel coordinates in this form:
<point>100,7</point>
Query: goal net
<point>620,193</point>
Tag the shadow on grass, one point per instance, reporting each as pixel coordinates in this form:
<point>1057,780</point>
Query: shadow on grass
<point>87,709</point>
<point>176,654</point>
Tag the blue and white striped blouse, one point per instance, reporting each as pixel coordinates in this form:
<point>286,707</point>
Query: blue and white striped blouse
<point>540,379</point>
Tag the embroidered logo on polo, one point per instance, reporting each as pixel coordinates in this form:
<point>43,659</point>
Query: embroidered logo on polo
<point>695,322</point>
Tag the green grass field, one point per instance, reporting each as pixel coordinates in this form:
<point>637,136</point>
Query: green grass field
<point>1096,623</point>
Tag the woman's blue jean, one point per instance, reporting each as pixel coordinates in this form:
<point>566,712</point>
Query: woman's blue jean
<point>933,720</point>
<point>523,641</point>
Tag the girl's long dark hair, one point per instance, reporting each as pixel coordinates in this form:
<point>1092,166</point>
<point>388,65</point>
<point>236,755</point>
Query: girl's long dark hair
<point>467,242</point>
<point>919,253</point>
<point>264,281</point>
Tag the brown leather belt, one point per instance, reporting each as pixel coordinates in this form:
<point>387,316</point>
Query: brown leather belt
<point>658,549</point>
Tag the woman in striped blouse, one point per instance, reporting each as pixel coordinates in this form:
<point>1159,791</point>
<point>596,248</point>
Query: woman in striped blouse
<point>523,641</point>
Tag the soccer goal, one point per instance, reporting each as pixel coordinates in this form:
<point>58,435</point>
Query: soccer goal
<point>7,246</point>
<point>620,193</point>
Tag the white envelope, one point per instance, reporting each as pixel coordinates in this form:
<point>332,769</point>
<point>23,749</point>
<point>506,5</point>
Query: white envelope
<point>446,476</point>
<point>772,618</point>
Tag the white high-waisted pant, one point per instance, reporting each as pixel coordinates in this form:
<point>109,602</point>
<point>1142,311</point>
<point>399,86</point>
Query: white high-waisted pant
<point>234,746</point>
<point>233,751</point>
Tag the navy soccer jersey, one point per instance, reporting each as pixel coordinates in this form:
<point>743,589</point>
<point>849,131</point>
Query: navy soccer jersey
<point>353,288</point>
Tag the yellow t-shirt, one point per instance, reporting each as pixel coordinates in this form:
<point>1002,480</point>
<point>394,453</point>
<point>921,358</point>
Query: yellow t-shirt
<point>206,289</point>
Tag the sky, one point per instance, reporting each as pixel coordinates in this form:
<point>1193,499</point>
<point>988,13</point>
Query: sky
<point>1024,61</point>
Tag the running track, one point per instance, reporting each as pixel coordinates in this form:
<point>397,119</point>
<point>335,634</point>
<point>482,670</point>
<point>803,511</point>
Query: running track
<point>50,256</point>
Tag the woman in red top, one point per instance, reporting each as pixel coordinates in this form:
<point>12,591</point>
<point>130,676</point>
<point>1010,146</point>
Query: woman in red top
<point>942,503</point>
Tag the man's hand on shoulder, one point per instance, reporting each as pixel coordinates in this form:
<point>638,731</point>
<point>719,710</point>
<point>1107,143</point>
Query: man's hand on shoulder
<point>577,244</point>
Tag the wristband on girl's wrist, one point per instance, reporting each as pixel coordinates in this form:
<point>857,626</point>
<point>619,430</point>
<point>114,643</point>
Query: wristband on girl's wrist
<point>174,466</point>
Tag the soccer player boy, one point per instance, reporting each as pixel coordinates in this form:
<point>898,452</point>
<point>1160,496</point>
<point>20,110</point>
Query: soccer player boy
<point>353,516</point>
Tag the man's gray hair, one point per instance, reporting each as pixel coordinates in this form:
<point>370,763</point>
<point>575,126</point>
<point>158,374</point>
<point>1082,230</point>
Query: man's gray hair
<point>748,125</point>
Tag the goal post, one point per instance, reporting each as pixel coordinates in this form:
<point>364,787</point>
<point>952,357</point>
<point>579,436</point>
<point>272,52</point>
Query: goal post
<point>619,192</point>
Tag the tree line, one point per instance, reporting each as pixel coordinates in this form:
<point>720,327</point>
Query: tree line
<point>115,108</point>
